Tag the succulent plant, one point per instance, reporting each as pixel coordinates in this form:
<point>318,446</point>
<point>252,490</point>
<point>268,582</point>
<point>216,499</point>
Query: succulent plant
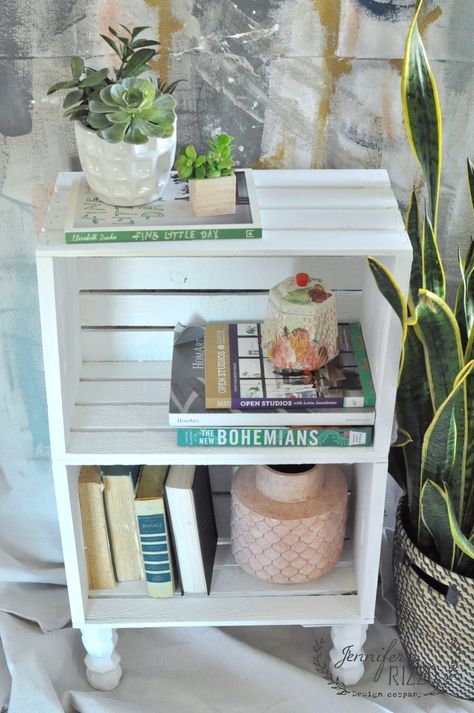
<point>87,83</point>
<point>132,110</point>
<point>213,164</point>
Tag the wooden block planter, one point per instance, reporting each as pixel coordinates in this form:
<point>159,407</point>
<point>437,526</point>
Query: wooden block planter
<point>435,616</point>
<point>212,196</point>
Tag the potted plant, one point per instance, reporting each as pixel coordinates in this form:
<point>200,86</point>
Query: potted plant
<point>433,457</point>
<point>125,125</point>
<point>210,197</point>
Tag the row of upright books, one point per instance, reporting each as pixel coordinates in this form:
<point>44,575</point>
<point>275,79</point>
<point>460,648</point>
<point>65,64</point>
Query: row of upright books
<point>153,523</point>
<point>226,392</point>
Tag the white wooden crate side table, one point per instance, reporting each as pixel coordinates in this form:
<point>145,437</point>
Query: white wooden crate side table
<point>107,317</point>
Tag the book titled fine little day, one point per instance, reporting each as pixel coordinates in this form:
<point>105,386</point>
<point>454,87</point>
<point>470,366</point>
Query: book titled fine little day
<point>275,437</point>
<point>169,218</point>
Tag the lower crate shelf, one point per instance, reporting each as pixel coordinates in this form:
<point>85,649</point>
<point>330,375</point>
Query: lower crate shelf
<point>232,591</point>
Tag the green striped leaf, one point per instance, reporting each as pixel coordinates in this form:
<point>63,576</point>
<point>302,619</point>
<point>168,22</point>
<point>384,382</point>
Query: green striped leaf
<point>413,230</point>
<point>434,278</point>
<point>390,290</point>
<point>413,389</point>
<point>439,333</point>
<point>446,441</point>
<point>422,113</point>
<point>439,516</point>
<point>464,305</point>
<point>470,179</point>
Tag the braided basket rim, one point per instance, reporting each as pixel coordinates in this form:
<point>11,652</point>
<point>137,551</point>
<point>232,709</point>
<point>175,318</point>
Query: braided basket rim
<point>417,557</point>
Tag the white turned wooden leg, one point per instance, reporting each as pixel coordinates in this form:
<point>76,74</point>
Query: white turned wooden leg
<point>347,655</point>
<point>102,661</point>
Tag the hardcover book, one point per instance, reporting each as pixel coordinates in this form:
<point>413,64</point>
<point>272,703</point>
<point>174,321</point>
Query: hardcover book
<point>119,494</point>
<point>267,436</point>
<point>240,376</point>
<point>188,402</point>
<point>192,520</point>
<point>89,220</point>
<point>153,528</point>
<point>100,571</point>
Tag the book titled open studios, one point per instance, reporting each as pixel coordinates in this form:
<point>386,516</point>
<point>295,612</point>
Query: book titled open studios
<point>89,220</point>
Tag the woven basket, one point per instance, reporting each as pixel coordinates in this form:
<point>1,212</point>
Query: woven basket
<point>435,616</point>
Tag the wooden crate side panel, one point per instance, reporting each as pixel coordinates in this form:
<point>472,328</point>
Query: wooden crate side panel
<point>369,489</point>
<point>61,337</point>
<point>69,516</point>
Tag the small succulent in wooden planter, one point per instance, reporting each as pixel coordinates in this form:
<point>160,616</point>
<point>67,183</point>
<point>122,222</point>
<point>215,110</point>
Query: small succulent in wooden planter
<point>216,197</point>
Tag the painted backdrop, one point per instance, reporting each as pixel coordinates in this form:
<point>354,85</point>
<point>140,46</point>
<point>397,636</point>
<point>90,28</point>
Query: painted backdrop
<point>298,83</point>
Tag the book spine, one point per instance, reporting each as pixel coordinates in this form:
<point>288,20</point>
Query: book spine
<point>217,366</point>
<point>154,541</point>
<point>156,235</point>
<point>245,404</point>
<point>362,362</point>
<point>100,571</point>
<point>275,437</point>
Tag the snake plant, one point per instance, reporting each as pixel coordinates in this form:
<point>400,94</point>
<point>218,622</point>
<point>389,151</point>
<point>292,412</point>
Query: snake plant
<point>87,84</point>
<point>433,457</point>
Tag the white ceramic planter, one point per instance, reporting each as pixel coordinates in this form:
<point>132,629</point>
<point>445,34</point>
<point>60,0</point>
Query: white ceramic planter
<point>125,174</point>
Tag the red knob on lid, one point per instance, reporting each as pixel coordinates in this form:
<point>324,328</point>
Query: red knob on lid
<point>302,279</point>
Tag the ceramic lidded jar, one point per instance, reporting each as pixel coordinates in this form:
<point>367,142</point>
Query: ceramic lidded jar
<point>300,328</point>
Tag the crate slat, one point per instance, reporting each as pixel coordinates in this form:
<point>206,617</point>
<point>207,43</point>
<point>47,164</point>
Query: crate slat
<point>229,273</point>
<point>135,309</point>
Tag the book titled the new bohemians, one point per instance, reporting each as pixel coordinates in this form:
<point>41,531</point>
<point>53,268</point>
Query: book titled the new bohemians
<point>267,436</point>
<point>188,401</point>
<point>169,218</point>
<point>240,376</point>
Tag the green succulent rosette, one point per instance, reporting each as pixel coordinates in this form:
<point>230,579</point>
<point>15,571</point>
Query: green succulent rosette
<point>132,110</point>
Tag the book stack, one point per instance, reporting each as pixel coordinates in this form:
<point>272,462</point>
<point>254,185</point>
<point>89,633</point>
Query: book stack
<point>226,392</point>
<point>153,523</point>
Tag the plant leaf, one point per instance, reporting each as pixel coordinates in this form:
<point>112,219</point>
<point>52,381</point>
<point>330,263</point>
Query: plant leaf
<point>434,278</point>
<point>137,60</point>
<point>422,113</point>
<point>77,67</point>
<point>470,178</point>
<point>143,43</point>
<point>446,441</point>
<point>438,331</point>
<point>138,30</point>
<point>61,85</point>
<point>94,78</point>
<point>113,134</point>
<point>413,389</point>
<point>133,135</point>
<point>72,98</point>
<point>434,512</point>
<point>112,44</point>
<point>97,121</point>
<point>99,107</point>
<point>413,230</point>
<point>391,291</point>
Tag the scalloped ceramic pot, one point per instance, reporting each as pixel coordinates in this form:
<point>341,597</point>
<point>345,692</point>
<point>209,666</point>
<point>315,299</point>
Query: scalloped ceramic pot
<point>125,174</point>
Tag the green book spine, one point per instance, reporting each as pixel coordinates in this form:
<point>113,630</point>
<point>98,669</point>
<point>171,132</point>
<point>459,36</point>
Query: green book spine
<point>140,236</point>
<point>362,362</point>
<point>275,437</point>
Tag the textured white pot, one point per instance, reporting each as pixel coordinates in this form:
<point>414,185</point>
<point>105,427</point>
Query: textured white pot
<point>125,174</point>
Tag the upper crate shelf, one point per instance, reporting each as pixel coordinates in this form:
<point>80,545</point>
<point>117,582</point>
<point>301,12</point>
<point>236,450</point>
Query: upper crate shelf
<point>304,212</point>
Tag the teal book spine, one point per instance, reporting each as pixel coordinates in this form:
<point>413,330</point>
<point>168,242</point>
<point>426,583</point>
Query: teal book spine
<point>156,554</point>
<point>275,437</point>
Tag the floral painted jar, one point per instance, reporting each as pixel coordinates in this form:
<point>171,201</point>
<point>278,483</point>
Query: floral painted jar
<point>300,328</point>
